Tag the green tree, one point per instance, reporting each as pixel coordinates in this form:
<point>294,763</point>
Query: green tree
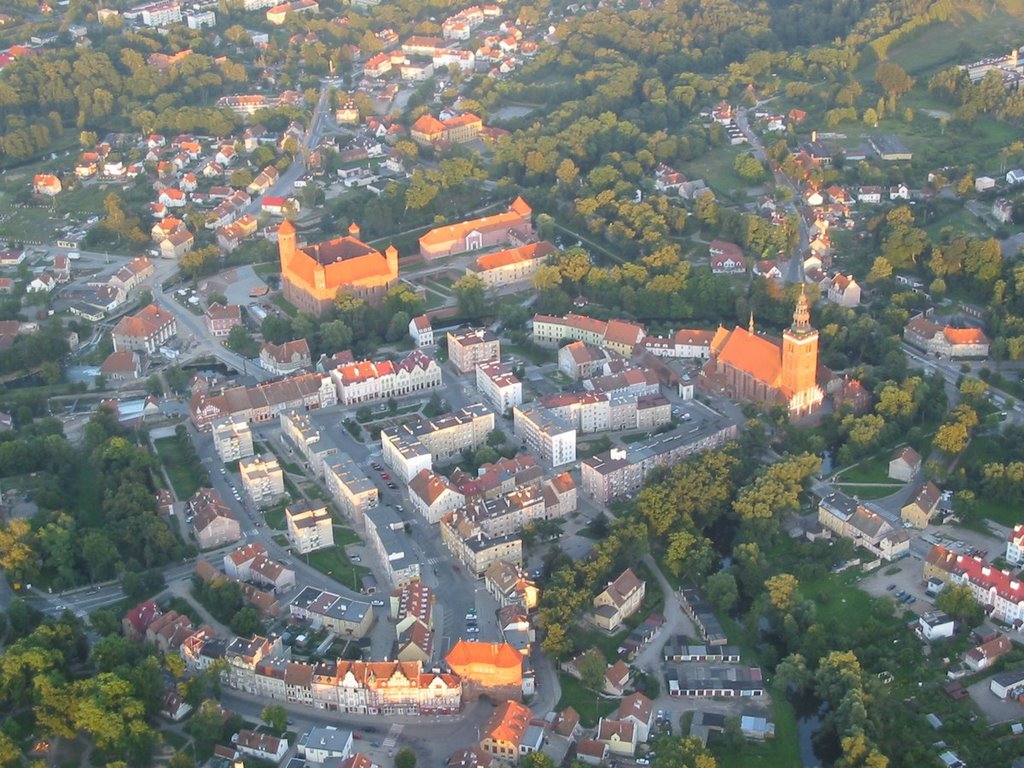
<point>592,668</point>
<point>722,591</point>
<point>405,758</point>
<point>958,601</point>
<point>276,717</point>
<point>470,296</point>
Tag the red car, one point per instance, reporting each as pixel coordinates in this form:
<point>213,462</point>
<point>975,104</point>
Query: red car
<point>385,476</point>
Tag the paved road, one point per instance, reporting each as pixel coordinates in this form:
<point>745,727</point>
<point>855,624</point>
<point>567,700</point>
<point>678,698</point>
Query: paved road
<point>795,271</point>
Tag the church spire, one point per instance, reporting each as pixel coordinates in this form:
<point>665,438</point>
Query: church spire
<point>750,327</point>
<point>802,313</point>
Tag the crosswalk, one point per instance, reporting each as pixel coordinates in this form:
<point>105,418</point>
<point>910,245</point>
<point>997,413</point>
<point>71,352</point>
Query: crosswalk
<point>433,560</point>
<point>392,738</point>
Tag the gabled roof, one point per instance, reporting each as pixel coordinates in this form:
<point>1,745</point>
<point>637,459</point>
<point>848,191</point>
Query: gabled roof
<point>753,354</point>
<point>636,705</point>
<point>428,486</point>
<point>508,723</point>
<point>467,652</point>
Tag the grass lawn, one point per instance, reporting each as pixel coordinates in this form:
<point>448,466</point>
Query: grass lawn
<point>1002,512</point>
<point>535,354</point>
<point>781,752</point>
<point>288,308</point>
<point>636,437</point>
<point>335,563</point>
<point>275,516</point>
<point>183,475</point>
<point>270,268</point>
<point>590,707</point>
<point>871,470</point>
<point>868,492</point>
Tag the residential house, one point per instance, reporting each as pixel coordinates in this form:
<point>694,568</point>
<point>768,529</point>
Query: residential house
<point>286,358</point>
<point>508,585</point>
<point>639,710</point>
<point>260,745</point>
<point>619,735</point>
<point>935,625</point>
<point>321,743</point>
<point>905,464</point>
<point>432,496</point>
<point>504,734</point>
<point>122,366</point>
<point>214,522</point>
<point>177,245</point>
<point>983,656</point>
<point>726,258</point>
<point>844,291</point>
<point>619,600</point>
<point>616,678</point>
<point>499,386</point>
<point>421,331</point>
<point>221,319</point>
<point>46,184</point>
<point>349,487</point>
<point>1002,211</point>
<point>922,506</point>
<point>846,517</point>
<point>145,331</point>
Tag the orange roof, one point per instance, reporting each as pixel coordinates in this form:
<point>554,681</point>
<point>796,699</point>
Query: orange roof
<point>466,652</point>
<point>965,336</point>
<point>527,252</point>
<point>428,125</point>
<point>517,211</point>
<point>508,723</point>
<point>753,354</point>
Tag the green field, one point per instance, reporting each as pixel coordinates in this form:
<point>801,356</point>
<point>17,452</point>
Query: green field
<point>184,475</point>
<point>871,470</point>
<point>590,706</point>
<point>334,562</point>
<point>967,39</point>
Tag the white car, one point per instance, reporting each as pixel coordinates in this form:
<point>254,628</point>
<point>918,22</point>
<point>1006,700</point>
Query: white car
<point>377,603</point>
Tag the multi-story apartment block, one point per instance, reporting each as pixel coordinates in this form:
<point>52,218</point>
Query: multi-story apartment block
<point>546,435</point>
<point>412,447</point>
<point>501,388</point>
<point>1015,545</point>
<point>310,526</point>
<point>586,411</point>
<point>232,439</point>
<point>367,381</point>
<point>475,549</point>
<point>350,488</point>
<point>620,472</point>
<point>846,517</point>
<point>579,360</point>
<point>307,439</point>
<point>262,479</point>
<point>1001,592</point>
<point>619,336</point>
<point>469,348</point>
<point>385,533</point>
<point>507,513</point>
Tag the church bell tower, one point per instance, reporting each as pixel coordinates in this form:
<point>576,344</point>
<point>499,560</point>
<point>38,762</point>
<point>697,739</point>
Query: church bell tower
<point>800,350</point>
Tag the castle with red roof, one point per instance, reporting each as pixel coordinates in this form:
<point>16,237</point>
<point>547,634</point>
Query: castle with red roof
<point>312,276</point>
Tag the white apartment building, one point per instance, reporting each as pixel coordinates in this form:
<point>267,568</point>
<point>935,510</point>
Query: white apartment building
<point>262,479</point>
<point>351,489</point>
<point>310,526</point>
<point>410,448</point>
<point>546,435</point>
<point>232,439</point>
<point>496,383</point>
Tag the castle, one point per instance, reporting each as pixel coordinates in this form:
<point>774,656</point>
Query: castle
<point>312,276</point>
<point>746,366</point>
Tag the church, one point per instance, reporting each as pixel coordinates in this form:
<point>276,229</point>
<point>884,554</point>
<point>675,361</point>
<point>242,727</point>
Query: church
<point>747,366</point>
<point>311,276</point>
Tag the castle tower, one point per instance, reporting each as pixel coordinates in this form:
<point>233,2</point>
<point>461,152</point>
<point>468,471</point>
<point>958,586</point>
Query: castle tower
<point>286,244</point>
<point>800,350</point>
<point>391,254</point>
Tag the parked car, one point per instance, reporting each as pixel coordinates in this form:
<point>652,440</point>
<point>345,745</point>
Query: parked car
<point>392,486</point>
<point>377,603</point>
